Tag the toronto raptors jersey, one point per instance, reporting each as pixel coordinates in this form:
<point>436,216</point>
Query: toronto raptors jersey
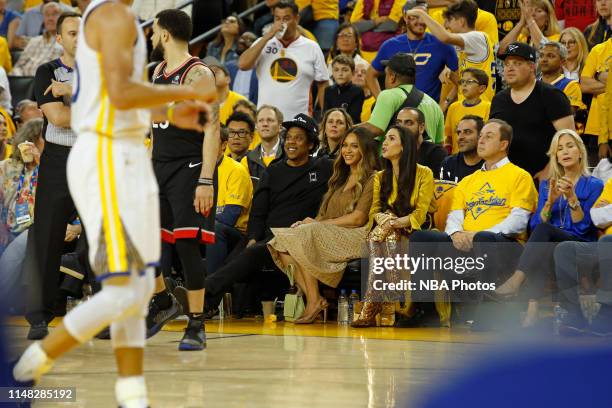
<point>169,142</point>
<point>92,110</point>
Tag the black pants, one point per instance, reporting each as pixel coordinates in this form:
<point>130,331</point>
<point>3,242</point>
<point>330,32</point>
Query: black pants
<point>499,251</point>
<point>537,261</point>
<point>53,210</point>
<point>250,265</point>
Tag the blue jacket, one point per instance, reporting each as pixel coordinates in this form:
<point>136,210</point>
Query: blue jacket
<point>232,67</point>
<point>588,190</point>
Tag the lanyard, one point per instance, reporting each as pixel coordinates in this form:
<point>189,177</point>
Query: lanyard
<point>33,180</point>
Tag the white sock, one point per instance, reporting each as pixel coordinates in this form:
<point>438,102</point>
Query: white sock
<point>33,363</point>
<point>131,392</point>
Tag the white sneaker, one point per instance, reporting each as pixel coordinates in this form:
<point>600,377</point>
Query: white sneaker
<point>33,363</point>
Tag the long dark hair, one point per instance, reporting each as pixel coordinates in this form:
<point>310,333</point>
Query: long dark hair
<point>367,166</point>
<point>323,136</point>
<point>241,29</point>
<point>407,175</point>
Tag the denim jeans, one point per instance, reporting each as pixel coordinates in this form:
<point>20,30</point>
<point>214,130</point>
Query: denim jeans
<point>325,30</point>
<point>226,238</point>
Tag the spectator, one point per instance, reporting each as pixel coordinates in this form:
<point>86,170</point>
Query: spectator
<point>43,48</point>
<point>334,126</point>
<point>18,179</point>
<point>240,128</point>
<point>346,42</point>
<point>6,61</point>
<point>563,214</point>
<point>324,15</point>
<point>223,47</point>
<point>286,64</point>
<point>269,119</point>
<point>53,90</point>
<point>290,190</point>
<point>25,111</point>
<point>318,250</point>
<point>537,25</point>
<point>147,9</point>
<point>474,47</point>
<point>32,23</point>
<point>486,21</point>
<point>249,108</point>
<point>600,30</point>
<point>577,52</point>
<point>575,261</point>
<point>6,149</point>
<point>226,98</point>
<point>430,54</point>
<point>344,94</point>
<point>575,13</point>
<point>533,109</point>
<point>593,81</point>
<point>243,82</point>
<point>552,57</point>
<point>5,92</point>
<point>402,199</point>
<point>603,171</point>
<point>605,127</point>
<point>429,154</point>
<point>473,84</point>
<point>466,161</point>
<point>400,92</point>
<point>234,194</point>
<point>9,21</point>
<point>480,220</point>
<point>359,79</point>
<point>376,24</point>
<point>506,16</point>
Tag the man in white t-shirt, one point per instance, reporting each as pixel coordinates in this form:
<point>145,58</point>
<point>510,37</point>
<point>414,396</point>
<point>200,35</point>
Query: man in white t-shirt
<point>286,64</point>
<point>474,48</point>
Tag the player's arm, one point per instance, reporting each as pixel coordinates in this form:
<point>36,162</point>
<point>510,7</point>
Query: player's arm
<point>436,29</point>
<point>116,60</point>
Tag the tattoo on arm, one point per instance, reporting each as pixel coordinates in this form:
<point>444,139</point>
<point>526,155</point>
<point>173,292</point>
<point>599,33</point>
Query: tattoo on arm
<point>194,74</point>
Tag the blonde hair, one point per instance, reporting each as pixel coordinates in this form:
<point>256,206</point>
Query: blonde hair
<point>552,26</point>
<point>556,170</point>
<point>583,48</point>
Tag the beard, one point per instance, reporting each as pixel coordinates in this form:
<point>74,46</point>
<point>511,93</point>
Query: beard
<point>157,53</point>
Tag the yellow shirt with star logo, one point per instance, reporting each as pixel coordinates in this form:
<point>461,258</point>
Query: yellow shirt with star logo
<point>487,197</point>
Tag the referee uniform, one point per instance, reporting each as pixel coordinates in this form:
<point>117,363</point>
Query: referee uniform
<point>54,207</point>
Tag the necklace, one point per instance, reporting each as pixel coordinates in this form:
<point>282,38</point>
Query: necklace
<point>413,52</point>
<point>563,211</point>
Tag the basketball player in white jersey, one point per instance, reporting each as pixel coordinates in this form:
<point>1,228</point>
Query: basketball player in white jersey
<point>113,186</point>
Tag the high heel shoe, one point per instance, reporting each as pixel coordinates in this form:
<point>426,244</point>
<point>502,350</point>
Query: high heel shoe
<point>367,317</point>
<point>321,307</point>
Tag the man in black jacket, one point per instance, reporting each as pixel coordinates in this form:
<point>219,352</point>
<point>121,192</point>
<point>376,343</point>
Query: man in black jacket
<point>289,191</point>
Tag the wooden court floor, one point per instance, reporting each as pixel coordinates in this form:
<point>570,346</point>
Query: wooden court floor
<point>250,363</point>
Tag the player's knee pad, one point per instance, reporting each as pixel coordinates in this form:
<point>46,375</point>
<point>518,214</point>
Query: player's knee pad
<point>129,332</point>
<point>112,303</point>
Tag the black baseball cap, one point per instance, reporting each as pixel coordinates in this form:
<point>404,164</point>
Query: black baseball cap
<point>519,49</point>
<point>401,63</point>
<point>305,122</point>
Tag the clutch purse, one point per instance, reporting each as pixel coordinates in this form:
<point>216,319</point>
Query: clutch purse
<point>294,301</point>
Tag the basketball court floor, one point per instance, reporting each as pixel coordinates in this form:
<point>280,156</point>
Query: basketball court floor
<point>250,363</point>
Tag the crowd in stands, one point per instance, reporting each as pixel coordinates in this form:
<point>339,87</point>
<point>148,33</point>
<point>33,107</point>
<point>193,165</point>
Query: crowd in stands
<point>367,124</point>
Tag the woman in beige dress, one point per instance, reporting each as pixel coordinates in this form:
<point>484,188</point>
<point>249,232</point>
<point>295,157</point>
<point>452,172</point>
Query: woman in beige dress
<point>318,249</point>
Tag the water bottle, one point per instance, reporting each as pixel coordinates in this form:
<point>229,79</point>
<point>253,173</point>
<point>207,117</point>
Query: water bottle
<point>343,308</point>
<point>353,299</point>
<point>560,315</point>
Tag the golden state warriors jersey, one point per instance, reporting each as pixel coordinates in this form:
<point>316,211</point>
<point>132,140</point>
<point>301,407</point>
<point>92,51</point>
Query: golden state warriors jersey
<point>92,110</point>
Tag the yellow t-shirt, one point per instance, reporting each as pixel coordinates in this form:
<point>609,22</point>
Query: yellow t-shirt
<point>6,61</point>
<point>485,22</point>
<point>395,14</point>
<point>234,188</point>
<point>596,62</point>
<point>573,92</point>
<point>487,197</point>
<point>321,9</point>
<point>366,109</point>
<point>488,66</point>
<point>606,195</point>
<point>421,199</point>
<point>458,110</point>
<point>227,107</point>
<point>605,125</point>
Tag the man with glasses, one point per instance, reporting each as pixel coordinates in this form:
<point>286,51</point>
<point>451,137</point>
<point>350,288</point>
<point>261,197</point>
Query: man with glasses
<point>240,128</point>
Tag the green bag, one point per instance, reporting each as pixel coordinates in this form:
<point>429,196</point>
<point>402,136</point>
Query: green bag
<point>294,301</point>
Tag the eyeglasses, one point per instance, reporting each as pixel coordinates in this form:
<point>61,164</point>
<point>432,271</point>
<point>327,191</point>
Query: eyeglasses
<point>238,134</point>
<point>346,35</point>
<point>468,81</point>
